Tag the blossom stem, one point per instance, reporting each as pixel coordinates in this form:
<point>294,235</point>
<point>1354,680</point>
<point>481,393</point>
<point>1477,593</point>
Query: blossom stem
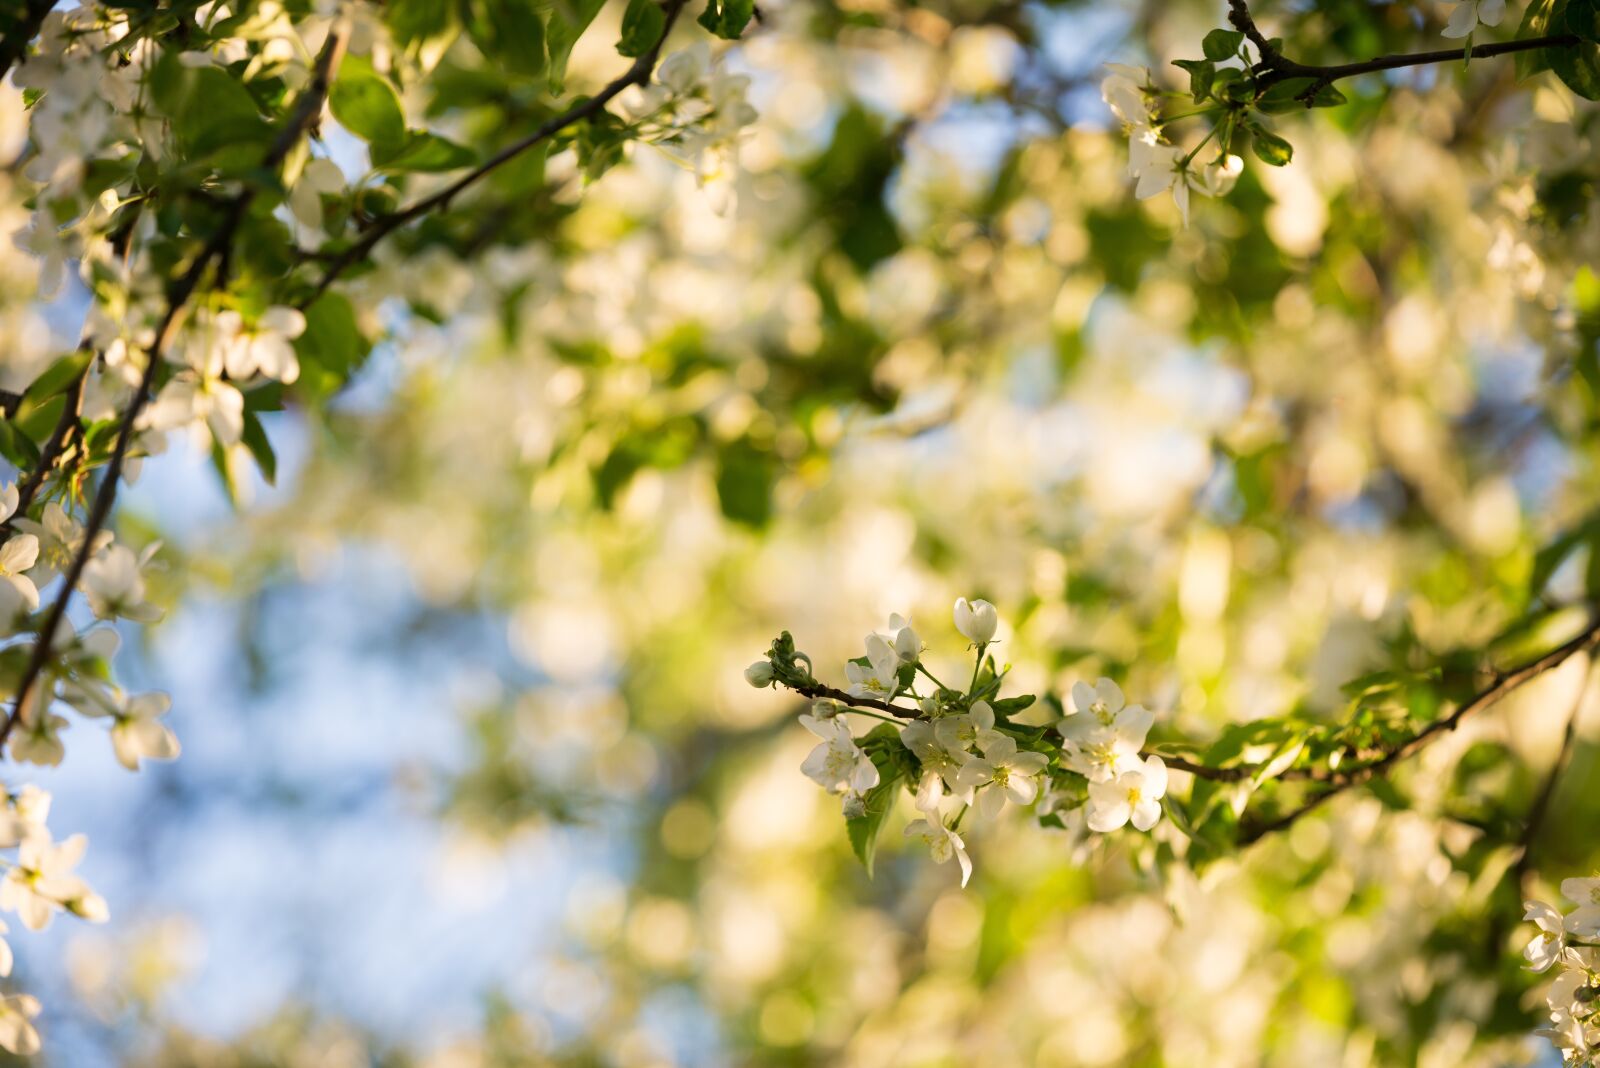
<point>976,668</point>
<point>1184,165</point>
<point>931,678</point>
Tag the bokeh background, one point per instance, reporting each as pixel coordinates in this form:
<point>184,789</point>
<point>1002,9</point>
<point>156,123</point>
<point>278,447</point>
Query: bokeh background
<point>471,777</point>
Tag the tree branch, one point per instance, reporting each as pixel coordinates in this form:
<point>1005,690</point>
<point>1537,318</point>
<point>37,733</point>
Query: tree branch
<point>819,690</point>
<point>637,74</point>
<point>306,111</point>
<point>1338,782</point>
<point>1280,68</point>
<point>14,45</point>
<point>1541,803</point>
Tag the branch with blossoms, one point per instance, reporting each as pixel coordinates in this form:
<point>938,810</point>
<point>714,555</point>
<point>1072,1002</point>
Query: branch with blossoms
<point>957,748</point>
<point>184,172</point>
<point>1572,943</point>
<point>1243,78</point>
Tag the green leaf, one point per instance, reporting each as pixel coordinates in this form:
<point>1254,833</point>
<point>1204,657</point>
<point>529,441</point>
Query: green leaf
<point>1269,147</point>
<point>1535,23</point>
<point>366,104</point>
<point>568,19</point>
<point>1007,706</point>
<point>1286,96</point>
<point>509,33</point>
<point>642,24</point>
<point>209,109</point>
<point>1202,73</point>
<point>1583,19</point>
<point>1222,44</point>
<point>727,18</point>
<point>255,439</point>
<point>424,153</point>
<point>59,376</point>
<point>1578,66</point>
<point>892,770</point>
<point>330,348</point>
<point>412,21</point>
<point>744,484</point>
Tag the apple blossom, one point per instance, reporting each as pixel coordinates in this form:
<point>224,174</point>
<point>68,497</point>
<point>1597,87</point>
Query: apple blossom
<point>1133,796</point>
<point>977,620</point>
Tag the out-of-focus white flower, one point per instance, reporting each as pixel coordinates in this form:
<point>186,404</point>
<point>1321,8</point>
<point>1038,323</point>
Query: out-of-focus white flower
<point>59,539</point>
<point>17,1033</point>
<point>321,177</point>
<point>17,555</point>
<point>1583,921</point>
<point>35,739</point>
<point>264,347</point>
<point>1468,13</point>
<point>114,587</point>
<point>138,733</point>
<point>41,882</point>
<point>1546,946</point>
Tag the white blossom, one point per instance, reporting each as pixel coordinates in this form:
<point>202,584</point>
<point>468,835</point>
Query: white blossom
<point>838,764</point>
<point>976,620</point>
<point>1469,13</point>
<point>1546,946</point>
<point>1104,736</point>
<point>921,738</point>
<point>1006,772</point>
<point>41,881</point>
<point>1133,796</point>
<point>961,732</point>
<point>114,587</point>
<point>879,678</point>
<point>59,538</point>
<point>17,555</point>
<point>264,347</point>
<point>930,829</point>
<point>17,1033</point>
<point>138,733</point>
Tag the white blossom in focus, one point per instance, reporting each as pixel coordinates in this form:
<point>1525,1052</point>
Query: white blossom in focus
<point>1134,796</point>
<point>976,620</point>
<point>838,764</point>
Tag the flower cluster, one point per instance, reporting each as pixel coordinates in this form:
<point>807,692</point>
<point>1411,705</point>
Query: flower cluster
<point>959,750</point>
<point>1155,164</point>
<point>696,113</point>
<point>38,883</point>
<point>1572,942</point>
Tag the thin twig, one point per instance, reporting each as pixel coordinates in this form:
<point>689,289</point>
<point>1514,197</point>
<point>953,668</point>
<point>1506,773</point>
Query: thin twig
<point>15,44</point>
<point>637,74</point>
<point>1503,684</point>
<point>1277,67</point>
<point>307,109</point>
<point>1541,803</point>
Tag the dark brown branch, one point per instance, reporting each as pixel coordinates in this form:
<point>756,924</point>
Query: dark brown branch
<point>1503,684</point>
<point>819,690</point>
<point>24,27</point>
<point>637,74</point>
<point>306,111</point>
<point>1276,67</point>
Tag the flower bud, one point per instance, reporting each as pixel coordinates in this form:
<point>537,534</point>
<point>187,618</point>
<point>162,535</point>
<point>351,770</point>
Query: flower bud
<point>976,620</point>
<point>826,708</point>
<point>855,806</point>
<point>759,674</point>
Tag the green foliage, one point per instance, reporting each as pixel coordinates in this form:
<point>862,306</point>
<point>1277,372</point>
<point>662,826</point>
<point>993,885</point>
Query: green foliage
<point>727,18</point>
<point>895,766</point>
<point>642,24</point>
<point>367,105</point>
